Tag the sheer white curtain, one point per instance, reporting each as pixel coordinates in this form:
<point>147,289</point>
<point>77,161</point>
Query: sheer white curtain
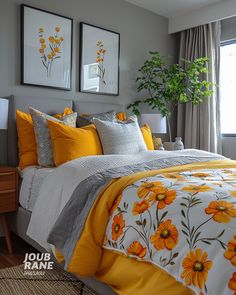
<point>199,126</point>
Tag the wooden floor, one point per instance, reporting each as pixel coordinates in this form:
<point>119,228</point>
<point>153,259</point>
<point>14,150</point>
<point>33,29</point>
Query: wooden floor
<point>20,247</point>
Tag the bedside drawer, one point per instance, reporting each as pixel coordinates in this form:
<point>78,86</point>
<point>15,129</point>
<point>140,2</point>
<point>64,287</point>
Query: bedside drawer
<point>7,180</point>
<point>8,201</point>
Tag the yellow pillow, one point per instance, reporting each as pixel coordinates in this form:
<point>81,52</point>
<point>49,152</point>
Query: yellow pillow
<point>121,116</point>
<point>147,136</point>
<point>71,143</point>
<point>26,138</point>
<point>67,111</point>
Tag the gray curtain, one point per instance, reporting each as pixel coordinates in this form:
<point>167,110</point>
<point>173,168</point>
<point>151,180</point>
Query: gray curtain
<point>199,126</point>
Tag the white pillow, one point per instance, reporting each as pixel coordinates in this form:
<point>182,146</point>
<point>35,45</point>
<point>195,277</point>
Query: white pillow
<point>117,138</point>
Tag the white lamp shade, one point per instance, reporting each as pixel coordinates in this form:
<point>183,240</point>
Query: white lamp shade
<point>4,103</point>
<point>155,121</point>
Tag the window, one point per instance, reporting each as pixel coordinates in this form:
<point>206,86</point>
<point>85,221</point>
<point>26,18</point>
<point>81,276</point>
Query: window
<point>228,88</point>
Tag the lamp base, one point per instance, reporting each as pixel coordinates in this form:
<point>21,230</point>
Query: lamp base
<point>169,146</point>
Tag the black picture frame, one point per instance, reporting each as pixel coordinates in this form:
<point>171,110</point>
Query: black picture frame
<point>82,64</point>
<point>23,67</point>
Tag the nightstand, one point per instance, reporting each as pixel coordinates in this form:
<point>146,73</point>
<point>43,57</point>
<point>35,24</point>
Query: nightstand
<point>8,199</point>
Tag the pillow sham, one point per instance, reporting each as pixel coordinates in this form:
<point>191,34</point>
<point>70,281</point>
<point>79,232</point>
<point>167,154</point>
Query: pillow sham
<point>43,139</point>
<point>147,136</point>
<point>67,111</point>
<point>86,119</point>
<point>120,138</point>
<point>71,143</point>
<point>121,116</point>
<point>28,155</point>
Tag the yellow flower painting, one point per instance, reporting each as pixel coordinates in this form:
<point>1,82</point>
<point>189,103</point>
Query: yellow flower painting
<point>50,49</point>
<point>100,61</point>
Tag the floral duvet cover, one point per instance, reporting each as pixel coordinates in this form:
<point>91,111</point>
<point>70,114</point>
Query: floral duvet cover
<point>183,222</point>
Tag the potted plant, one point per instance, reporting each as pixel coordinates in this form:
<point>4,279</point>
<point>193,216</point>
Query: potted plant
<point>168,85</point>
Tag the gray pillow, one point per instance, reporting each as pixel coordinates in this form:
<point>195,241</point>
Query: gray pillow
<point>117,138</point>
<point>88,119</point>
<point>42,134</point>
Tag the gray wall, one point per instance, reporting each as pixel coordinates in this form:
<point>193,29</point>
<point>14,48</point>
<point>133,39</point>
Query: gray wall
<point>140,31</point>
<point>228,32</point>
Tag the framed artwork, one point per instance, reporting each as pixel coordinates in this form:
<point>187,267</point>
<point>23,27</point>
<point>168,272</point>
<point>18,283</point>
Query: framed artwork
<point>99,60</point>
<point>46,48</point>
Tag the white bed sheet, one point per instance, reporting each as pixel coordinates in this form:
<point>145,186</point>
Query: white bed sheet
<point>32,181</point>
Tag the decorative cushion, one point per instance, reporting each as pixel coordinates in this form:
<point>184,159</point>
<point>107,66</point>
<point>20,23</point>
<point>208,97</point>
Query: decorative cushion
<point>121,116</point>
<point>67,111</point>
<point>72,143</point>
<point>43,139</point>
<point>26,140</point>
<point>147,136</point>
<point>120,138</point>
<point>86,119</point>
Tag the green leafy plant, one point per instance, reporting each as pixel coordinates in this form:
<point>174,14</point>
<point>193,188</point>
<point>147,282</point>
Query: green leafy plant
<point>168,85</point>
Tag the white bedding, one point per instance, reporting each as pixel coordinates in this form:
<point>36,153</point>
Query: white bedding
<point>59,185</point>
<point>32,179</point>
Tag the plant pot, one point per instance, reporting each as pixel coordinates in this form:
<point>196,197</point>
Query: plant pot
<point>169,146</point>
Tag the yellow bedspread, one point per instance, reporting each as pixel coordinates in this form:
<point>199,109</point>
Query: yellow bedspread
<point>124,275</point>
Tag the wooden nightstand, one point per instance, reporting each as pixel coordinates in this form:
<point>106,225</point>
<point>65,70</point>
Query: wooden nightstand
<point>8,199</point>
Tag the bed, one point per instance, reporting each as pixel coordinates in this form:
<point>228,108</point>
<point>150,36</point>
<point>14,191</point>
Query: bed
<point>169,215</point>
<point>32,177</point>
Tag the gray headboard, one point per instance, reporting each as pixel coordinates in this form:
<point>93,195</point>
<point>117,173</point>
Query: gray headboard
<point>50,106</point>
<point>92,107</point>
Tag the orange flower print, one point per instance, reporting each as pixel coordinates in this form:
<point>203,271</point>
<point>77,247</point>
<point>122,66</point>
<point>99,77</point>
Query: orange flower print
<point>115,204</point>
<point>48,58</point>
<point>196,188</point>
<point>201,175</point>
<point>141,207</point>
<point>222,211</point>
<point>162,196</point>
<point>147,187</point>
<point>42,40</point>
<point>100,55</point>
<point>196,268</point>
<point>166,236</point>
<point>56,49</point>
<point>173,176</point>
<point>117,226</point>
<point>51,39</point>
<point>232,283</point>
<point>231,252</point>
<point>137,249</point>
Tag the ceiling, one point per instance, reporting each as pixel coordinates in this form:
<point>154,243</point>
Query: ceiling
<point>173,8</point>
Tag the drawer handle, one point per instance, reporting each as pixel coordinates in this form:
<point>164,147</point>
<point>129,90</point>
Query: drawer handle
<point>7,191</point>
<point>7,173</point>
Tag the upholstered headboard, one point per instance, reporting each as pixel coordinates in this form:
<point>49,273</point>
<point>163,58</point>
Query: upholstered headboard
<point>49,106</point>
<point>91,107</point>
